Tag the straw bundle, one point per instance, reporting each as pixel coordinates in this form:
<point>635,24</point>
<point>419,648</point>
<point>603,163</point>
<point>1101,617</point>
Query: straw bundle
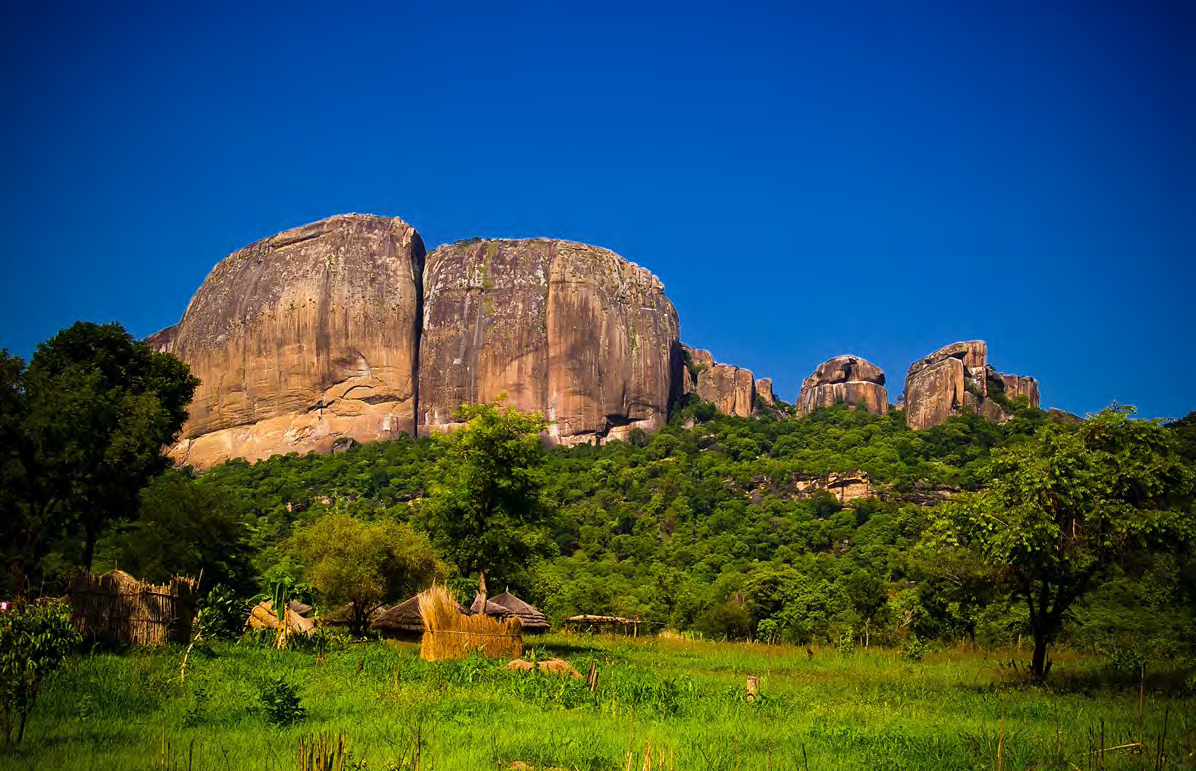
<point>450,635</point>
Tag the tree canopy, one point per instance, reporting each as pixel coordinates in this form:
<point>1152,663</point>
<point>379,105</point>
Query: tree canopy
<point>87,420</point>
<point>484,510</point>
<point>1060,513</point>
<point>361,563</point>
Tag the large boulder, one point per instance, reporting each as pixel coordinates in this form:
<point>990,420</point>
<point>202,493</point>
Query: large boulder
<point>301,339</point>
<point>731,389</point>
<point>955,378</point>
<point>844,379</point>
<point>573,331</point>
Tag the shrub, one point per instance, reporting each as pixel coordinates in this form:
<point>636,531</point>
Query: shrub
<point>914,650</point>
<point>222,615</point>
<point>846,642</point>
<point>726,621</point>
<point>34,640</point>
<point>280,703</point>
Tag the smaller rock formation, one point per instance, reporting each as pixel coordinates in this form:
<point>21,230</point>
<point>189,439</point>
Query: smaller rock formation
<point>958,377</point>
<point>844,379</point>
<point>731,389</point>
<point>764,390</point>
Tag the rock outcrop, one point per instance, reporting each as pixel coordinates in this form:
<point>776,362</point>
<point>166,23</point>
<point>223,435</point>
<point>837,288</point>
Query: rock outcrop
<point>731,389</point>
<point>573,331</point>
<point>844,379</point>
<point>958,377</point>
<point>764,390</point>
<point>302,338</point>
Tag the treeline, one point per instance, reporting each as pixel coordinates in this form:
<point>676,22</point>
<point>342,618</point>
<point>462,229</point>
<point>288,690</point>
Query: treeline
<point>738,528</point>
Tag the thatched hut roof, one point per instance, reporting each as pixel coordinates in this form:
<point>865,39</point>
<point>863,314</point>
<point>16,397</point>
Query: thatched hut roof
<point>506,605</point>
<point>403,617</point>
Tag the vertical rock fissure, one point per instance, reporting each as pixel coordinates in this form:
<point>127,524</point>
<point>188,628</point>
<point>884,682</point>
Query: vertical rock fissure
<point>417,270</point>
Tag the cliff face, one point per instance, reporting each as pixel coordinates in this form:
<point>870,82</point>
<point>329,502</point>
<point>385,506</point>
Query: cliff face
<point>343,330</point>
<point>335,331</point>
<point>302,338</point>
<point>844,379</point>
<point>573,331</point>
<point>731,389</point>
<point>955,377</point>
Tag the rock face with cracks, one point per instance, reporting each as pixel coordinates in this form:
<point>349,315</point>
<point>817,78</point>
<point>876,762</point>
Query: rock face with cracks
<point>957,377</point>
<point>573,331</point>
<point>301,339</point>
<point>731,389</point>
<point>334,332</point>
<point>844,379</point>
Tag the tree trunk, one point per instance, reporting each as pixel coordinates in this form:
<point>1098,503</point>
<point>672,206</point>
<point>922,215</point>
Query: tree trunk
<point>89,548</point>
<point>21,730</point>
<point>1038,663</point>
<point>482,591</point>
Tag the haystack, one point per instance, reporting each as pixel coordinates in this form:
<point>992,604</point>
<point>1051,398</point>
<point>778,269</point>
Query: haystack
<point>507,605</point>
<point>403,622</point>
<point>450,635</point>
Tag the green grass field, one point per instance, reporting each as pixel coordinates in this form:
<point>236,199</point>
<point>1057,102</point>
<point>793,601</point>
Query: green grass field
<point>683,700</point>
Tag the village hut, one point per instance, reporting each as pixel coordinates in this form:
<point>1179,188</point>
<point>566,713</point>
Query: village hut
<point>118,609</point>
<point>403,621</point>
<point>507,605</point>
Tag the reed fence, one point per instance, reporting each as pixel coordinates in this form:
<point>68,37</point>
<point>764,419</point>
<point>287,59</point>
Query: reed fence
<point>118,609</point>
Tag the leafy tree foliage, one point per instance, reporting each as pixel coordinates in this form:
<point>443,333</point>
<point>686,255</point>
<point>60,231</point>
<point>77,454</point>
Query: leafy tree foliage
<point>189,528</point>
<point>362,563</point>
<point>484,509</point>
<point>1059,513</point>
<point>87,421</point>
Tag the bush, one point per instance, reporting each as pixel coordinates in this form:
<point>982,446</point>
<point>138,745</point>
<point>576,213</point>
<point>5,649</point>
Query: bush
<point>280,703</point>
<point>915,650</point>
<point>222,616</point>
<point>726,621</point>
<point>846,642</point>
<point>34,640</point>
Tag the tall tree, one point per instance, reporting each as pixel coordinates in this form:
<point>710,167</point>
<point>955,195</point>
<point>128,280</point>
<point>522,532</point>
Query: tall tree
<point>1057,514</point>
<point>96,407</point>
<point>485,510</point>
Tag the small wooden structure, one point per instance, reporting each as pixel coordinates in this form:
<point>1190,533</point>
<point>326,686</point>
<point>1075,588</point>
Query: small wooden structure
<point>507,605</point>
<point>118,609</point>
<point>591,623</point>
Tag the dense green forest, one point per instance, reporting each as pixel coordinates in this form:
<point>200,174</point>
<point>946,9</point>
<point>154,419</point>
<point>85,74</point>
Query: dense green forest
<point>714,524</point>
<point>838,526</point>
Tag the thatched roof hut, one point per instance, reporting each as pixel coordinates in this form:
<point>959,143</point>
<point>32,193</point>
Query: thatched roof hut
<point>507,605</point>
<point>403,622</point>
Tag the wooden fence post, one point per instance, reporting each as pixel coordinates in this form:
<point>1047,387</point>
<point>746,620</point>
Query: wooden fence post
<point>592,680</point>
<point>753,688</point>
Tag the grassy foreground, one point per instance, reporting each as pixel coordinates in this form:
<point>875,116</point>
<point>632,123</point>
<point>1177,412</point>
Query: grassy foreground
<point>683,700</point>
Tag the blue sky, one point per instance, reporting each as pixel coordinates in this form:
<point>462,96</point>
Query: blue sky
<point>807,178</point>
